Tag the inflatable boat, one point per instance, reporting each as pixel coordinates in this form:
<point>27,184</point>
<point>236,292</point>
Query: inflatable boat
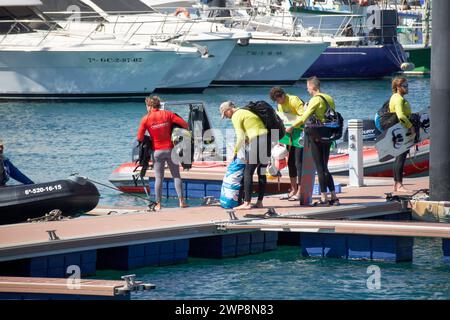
<point>72,196</point>
<point>416,165</point>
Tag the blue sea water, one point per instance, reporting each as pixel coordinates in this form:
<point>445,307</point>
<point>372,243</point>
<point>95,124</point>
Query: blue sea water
<point>284,274</point>
<point>51,140</point>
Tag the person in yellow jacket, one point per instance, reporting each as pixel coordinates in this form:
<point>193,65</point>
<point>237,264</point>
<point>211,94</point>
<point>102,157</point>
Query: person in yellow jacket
<point>401,107</point>
<point>250,129</point>
<point>320,150</point>
<point>293,105</point>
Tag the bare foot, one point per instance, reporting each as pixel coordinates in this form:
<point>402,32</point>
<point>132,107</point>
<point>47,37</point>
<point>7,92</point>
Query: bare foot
<point>245,206</point>
<point>402,189</point>
<point>293,193</point>
<point>158,207</point>
<point>183,204</point>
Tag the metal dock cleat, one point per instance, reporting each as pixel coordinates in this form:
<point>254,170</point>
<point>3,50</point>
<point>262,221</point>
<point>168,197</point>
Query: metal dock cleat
<point>232,215</point>
<point>210,201</point>
<point>133,285</point>
<point>271,213</point>
<point>52,235</point>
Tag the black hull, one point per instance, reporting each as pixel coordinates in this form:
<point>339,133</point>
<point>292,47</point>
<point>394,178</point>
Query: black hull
<point>72,196</point>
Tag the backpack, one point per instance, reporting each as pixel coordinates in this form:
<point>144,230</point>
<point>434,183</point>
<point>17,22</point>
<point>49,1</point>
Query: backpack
<point>386,118</point>
<point>268,116</point>
<point>331,130</point>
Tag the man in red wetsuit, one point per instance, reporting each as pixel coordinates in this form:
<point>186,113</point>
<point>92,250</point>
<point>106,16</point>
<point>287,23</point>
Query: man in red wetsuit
<point>158,123</point>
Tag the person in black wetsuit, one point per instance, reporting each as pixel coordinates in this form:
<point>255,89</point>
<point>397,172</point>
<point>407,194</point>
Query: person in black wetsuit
<point>317,106</point>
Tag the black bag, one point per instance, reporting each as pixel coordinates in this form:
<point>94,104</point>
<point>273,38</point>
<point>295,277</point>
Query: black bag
<point>330,130</point>
<point>145,155</point>
<point>387,119</point>
<point>268,116</point>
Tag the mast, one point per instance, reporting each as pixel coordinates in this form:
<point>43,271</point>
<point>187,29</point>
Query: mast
<point>426,40</point>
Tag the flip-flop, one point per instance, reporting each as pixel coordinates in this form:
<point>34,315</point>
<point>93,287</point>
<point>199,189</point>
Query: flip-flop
<point>321,203</point>
<point>294,198</point>
<point>285,197</point>
<point>335,202</point>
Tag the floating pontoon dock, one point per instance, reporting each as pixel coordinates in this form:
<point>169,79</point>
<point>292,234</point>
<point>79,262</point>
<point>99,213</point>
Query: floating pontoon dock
<point>20,288</point>
<point>129,238</point>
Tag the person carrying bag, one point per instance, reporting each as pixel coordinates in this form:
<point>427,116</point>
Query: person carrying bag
<point>323,125</point>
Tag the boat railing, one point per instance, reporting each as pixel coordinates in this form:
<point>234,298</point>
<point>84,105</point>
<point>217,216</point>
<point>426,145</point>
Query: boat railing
<point>113,18</point>
<point>343,28</point>
<point>14,23</point>
<point>281,21</point>
<point>164,27</point>
<point>179,30</point>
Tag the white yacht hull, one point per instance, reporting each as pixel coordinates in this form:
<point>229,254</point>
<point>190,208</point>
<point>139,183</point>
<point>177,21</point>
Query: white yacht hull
<point>194,74</point>
<point>71,73</point>
<point>269,61</point>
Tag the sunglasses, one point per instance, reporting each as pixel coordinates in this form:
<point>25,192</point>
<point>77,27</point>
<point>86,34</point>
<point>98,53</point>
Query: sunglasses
<point>404,85</point>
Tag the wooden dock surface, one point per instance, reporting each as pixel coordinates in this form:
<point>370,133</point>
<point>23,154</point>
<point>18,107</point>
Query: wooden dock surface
<point>101,288</point>
<point>119,228</point>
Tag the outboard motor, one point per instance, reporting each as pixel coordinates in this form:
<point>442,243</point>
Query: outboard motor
<point>204,144</point>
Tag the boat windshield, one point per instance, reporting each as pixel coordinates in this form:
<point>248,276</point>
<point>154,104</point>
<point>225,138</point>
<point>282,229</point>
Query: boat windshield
<point>122,6</point>
<point>22,19</point>
<point>66,9</point>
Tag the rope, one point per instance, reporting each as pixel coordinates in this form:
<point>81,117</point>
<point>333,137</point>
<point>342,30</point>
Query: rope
<point>54,215</point>
<point>411,158</point>
<point>151,204</point>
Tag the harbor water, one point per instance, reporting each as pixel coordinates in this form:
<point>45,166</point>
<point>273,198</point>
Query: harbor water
<point>284,274</point>
<point>51,140</point>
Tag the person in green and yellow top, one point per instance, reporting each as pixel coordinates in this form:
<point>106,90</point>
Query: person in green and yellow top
<point>317,106</point>
<point>251,130</point>
<point>401,107</point>
<point>293,105</point>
